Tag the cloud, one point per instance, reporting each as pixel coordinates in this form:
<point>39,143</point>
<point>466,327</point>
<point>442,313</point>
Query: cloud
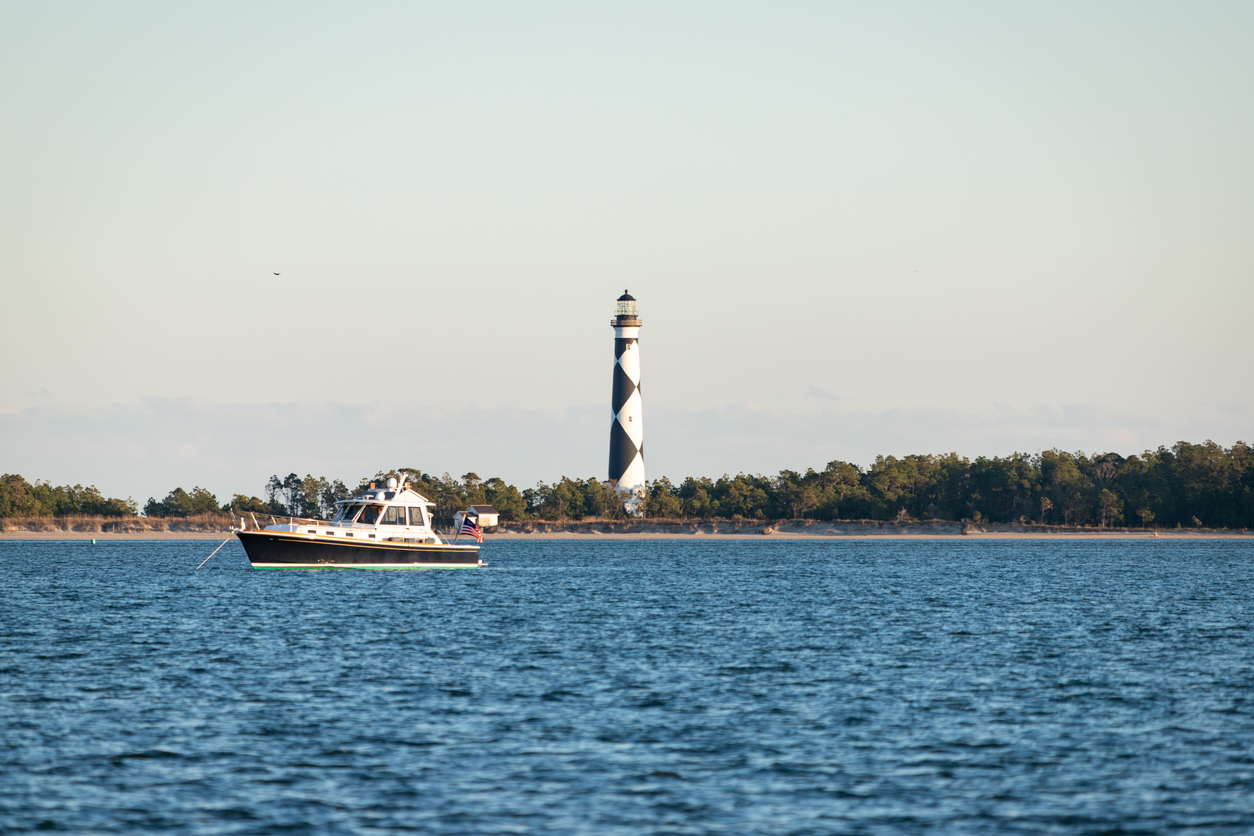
<point>162,443</point>
<point>150,448</point>
<point>738,438</point>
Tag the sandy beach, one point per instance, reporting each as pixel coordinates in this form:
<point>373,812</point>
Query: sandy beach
<point>88,536</point>
<point>706,530</point>
<point>980,535</point>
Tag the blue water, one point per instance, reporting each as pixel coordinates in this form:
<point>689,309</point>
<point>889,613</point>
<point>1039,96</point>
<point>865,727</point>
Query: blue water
<point>632,687</point>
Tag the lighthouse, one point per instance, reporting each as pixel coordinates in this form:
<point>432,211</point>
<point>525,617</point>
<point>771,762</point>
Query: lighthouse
<point>627,428</point>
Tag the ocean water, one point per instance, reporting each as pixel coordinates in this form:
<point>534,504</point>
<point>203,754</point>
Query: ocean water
<point>791,687</point>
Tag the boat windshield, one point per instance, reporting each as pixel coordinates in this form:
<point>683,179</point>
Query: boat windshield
<point>346,513</point>
<point>370,515</point>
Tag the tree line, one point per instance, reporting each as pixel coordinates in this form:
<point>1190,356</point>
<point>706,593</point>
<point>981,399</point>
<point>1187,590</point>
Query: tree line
<point>1186,485</point>
<point>19,498</point>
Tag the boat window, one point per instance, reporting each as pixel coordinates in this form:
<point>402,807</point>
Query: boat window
<point>346,513</point>
<point>393,515</point>
<point>370,515</point>
<point>415,517</point>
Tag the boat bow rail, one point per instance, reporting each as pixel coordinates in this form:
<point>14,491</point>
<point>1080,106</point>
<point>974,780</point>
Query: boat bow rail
<point>253,521</point>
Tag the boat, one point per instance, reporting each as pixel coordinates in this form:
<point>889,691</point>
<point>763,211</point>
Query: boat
<point>387,528</point>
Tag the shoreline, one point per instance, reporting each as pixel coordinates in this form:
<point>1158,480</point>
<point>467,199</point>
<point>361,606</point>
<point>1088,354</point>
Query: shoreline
<point>789,535</point>
<point>70,536</point>
<point>87,529</point>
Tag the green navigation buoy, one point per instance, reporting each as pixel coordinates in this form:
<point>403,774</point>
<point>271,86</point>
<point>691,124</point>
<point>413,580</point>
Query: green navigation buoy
<point>93,541</point>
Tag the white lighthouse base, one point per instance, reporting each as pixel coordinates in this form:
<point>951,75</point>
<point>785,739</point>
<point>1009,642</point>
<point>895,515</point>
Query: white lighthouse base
<point>632,487</point>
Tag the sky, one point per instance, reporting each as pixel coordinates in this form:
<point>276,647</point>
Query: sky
<point>852,230</point>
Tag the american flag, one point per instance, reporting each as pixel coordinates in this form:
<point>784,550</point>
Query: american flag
<point>470,528</point>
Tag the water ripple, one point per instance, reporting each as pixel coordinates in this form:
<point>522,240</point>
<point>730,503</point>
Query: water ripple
<point>633,687</point>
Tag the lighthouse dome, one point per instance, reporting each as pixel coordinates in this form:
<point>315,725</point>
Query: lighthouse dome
<point>626,297</point>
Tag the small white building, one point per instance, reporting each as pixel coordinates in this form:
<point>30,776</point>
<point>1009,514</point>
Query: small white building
<point>486,514</point>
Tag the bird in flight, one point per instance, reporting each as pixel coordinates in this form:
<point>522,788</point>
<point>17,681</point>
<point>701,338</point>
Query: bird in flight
<point>276,274</point>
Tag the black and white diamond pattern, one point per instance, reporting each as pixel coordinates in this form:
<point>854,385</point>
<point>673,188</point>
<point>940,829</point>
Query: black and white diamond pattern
<point>627,429</point>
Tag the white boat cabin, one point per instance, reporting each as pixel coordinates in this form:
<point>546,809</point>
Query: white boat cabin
<point>395,513</point>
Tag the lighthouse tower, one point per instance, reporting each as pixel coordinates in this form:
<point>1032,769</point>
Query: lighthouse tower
<point>627,428</point>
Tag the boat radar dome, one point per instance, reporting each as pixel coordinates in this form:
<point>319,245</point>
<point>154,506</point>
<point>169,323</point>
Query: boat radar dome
<point>392,484</point>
